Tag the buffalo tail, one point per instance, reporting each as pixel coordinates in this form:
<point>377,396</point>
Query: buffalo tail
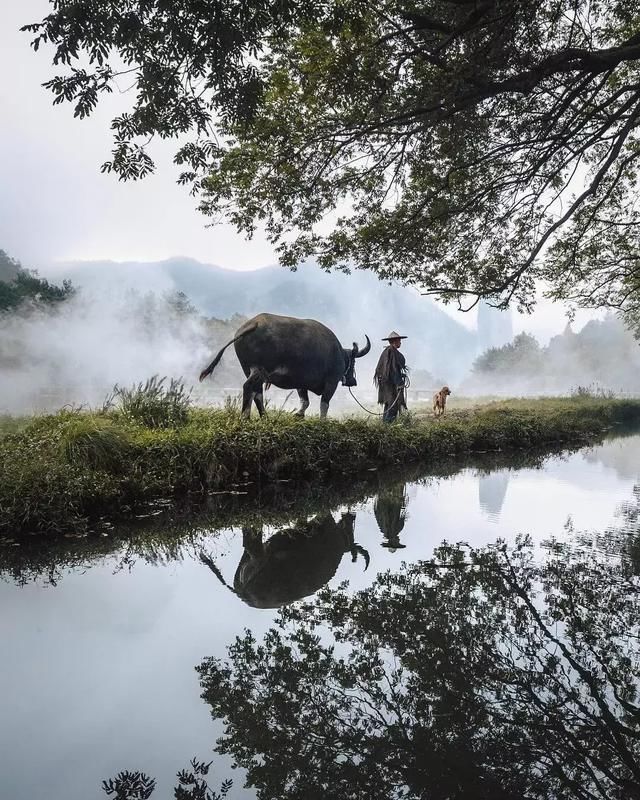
<point>206,372</point>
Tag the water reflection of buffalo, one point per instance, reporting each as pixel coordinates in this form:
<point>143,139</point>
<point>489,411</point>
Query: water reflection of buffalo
<point>292,563</point>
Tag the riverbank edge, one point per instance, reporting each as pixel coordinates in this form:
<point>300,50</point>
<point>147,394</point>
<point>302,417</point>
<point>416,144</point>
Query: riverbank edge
<point>171,531</point>
<point>63,473</point>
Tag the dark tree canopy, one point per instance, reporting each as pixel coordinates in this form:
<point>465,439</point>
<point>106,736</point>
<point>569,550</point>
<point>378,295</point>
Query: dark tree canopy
<point>480,675</point>
<point>463,146</point>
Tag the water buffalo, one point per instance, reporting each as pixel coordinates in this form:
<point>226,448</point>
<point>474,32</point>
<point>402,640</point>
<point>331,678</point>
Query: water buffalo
<point>291,353</point>
<point>292,563</point>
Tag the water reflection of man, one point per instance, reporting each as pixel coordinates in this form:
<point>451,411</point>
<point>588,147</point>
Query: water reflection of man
<point>390,377</point>
<point>390,511</point>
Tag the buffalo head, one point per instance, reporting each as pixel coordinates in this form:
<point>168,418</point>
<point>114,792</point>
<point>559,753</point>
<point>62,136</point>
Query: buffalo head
<point>349,377</point>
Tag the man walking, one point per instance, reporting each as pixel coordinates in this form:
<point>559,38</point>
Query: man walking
<point>390,377</point>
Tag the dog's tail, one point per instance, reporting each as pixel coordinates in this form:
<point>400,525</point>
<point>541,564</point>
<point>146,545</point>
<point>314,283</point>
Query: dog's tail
<point>206,372</point>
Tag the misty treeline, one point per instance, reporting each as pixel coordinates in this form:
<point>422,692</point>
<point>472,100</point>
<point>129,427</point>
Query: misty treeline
<point>603,356</point>
<point>70,344</point>
<point>66,344</point>
<point>20,286</point>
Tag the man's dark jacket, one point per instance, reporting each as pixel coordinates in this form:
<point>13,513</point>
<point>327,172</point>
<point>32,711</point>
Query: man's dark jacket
<point>389,376</point>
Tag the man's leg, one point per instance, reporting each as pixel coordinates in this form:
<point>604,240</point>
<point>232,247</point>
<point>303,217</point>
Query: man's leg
<point>390,412</point>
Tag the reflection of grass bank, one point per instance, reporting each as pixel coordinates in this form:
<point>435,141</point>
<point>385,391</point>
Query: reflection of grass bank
<point>66,471</point>
<point>172,531</point>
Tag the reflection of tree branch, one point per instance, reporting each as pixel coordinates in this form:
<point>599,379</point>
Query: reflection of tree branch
<point>192,785</point>
<point>615,727</point>
<point>457,682</point>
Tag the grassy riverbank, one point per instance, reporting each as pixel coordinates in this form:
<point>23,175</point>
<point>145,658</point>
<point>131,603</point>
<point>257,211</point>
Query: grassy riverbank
<point>63,473</point>
<point>173,531</point>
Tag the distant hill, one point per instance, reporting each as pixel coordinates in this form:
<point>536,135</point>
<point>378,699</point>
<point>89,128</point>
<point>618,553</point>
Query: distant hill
<point>351,305</point>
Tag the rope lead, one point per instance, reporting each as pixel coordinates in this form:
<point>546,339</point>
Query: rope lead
<point>405,385</point>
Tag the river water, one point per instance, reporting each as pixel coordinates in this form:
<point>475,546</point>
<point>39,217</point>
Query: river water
<point>99,651</point>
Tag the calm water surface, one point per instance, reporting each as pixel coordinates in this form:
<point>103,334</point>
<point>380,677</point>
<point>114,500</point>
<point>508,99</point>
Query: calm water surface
<point>98,667</point>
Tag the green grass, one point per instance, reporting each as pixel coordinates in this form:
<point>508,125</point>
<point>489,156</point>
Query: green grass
<point>10,424</point>
<point>152,404</point>
<point>65,472</point>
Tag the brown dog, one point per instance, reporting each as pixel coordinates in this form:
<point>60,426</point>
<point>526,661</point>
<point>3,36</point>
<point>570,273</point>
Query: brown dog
<point>440,401</point>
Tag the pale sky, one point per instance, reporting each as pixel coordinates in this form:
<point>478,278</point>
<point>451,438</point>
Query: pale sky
<point>55,205</point>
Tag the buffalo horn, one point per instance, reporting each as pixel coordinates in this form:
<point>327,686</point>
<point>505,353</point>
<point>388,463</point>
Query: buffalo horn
<point>365,349</point>
<point>359,550</point>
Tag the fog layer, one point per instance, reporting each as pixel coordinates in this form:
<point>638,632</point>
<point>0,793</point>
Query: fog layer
<point>76,352</point>
<point>128,322</point>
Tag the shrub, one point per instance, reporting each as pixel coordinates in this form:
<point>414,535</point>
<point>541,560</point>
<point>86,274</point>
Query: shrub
<point>593,391</point>
<point>153,404</point>
<point>9,424</point>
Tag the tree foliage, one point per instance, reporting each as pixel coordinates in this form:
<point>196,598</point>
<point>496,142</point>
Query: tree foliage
<point>479,674</point>
<point>464,146</point>
<point>524,354</point>
<point>19,285</point>
<point>192,785</point>
<point>603,356</point>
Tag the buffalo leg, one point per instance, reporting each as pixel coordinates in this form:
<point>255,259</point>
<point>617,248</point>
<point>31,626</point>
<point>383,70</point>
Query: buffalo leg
<point>325,399</point>
<point>251,387</point>
<point>252,542</point>
<point>303,394</point>
<point>259,401</point>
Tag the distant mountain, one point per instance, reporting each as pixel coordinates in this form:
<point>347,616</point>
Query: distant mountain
<point>351,305</point>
